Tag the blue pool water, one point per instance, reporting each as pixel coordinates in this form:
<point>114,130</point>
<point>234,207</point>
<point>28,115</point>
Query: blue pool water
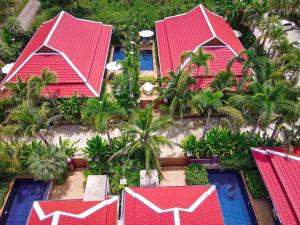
<point>20,201</point>
<point>233,198</point>
<point>146,58</point>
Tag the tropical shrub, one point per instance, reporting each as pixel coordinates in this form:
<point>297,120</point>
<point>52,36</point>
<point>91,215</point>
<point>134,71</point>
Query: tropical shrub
<point>4,186</point>
<point>46,162</point>
<point>71,108</point>
<point>128,169</point>
<point>148,78</point>
<point>192,144</point>
<point>196,174</point>
<point>67,146</point>
<point>255,184</point>
<point>98,153</point>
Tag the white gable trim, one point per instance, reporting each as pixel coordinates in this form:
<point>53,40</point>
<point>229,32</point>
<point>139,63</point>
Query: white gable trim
<point>207,21</point>
<point>258,150</point>
<point>285,155</point>
<point>175,211</point>
<point>53,28</point>
<point>56,214</point>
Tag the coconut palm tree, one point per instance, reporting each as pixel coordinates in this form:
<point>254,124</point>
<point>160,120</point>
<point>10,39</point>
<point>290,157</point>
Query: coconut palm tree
<point>29,120</point>
<point>46,163</point>
<point>223,82</point>
<point>177,92</point>
<point>144,128</point>
<point>251,61</point>
<point>46,78</point>
<point>198,59</point>
<point>276,35</point>
<point>100,112</point>
<point>269,102</point>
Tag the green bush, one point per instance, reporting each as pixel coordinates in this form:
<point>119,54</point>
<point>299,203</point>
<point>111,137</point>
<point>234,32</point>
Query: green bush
<point>4,186</point>
<point>255,184</point>
<point>128,169</point>
<point>71,108</point>
<point>192,145</point>
<point>196,174</point>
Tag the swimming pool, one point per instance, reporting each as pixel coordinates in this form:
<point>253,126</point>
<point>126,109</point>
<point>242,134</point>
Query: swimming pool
<point>20,200</point>
<point>232,194</point>
<point>146,58</point>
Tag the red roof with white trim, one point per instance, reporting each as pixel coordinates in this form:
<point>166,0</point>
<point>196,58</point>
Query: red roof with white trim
<point>74,212</point>
<point>280,172</point>
<point>189,205</point>
<point>75,49</point>
<point>197,28</point>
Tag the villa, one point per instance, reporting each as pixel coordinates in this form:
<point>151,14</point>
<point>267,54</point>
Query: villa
<point>188,32</point>
<point>75,49</point>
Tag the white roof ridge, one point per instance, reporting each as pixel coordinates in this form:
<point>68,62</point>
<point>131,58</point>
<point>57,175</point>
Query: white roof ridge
<point>282,154</point>
<point>41,214</point>
<point>53,28</point>
<point>159,210</point>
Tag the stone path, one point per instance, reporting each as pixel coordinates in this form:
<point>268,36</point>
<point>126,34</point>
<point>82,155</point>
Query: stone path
<point>28,13</point>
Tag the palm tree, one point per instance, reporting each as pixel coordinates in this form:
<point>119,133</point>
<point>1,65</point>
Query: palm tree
<point>46,163</point>
<point>207,101</point>
<point>223,82</point>
<point>276,35</point>
<point>268,101</point>
<point>46,78</point>
<point>198,59</point>
<point>250,60</point>
<point>20,90</point>
<point>144,128</point>
<point>29,120</point>
<point>177,92</point>
<point>99,112</point>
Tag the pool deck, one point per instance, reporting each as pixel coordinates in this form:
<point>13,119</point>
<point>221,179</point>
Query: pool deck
<point>73,188</point>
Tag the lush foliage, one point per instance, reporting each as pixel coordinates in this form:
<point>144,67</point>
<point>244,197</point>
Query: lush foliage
<point>46,162</point>
<point>255,184</point>
<point>143,129</point>
<point>4,185</point>
<point>98,153</point>
<point>71,108</point>
<point>124,169</point>
<point>196,174</point>
<point>233,149</point>
<point>190,144</point>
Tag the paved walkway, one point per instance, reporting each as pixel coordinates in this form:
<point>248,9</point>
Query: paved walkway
<point>28,13</point>
<point>173,176</point>
<point>73,188</point>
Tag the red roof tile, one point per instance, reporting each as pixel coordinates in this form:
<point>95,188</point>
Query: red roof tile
<point>75,49</point>
<point>188,205</point>
<point>278,171</point>
<point>74,212</point>
<point>187,32</point>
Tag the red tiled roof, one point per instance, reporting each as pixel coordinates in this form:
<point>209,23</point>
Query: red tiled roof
<point>74,212</point>
<point>280,172</point>
<point>75,49</point>
<point>189,205</point>
<point>197,28</point>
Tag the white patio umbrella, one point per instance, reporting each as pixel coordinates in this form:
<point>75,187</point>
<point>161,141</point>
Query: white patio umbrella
<point>146,33</point>
<point>237,33</point>
<point>113,66</point>
<point>5,69</point>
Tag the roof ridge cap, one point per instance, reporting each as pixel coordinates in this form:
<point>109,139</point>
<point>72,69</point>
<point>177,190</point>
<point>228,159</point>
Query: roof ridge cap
<point>285,155</point>
<point>157,209</point>
<point>207,21</point>
<point>41,214</point>
<point>54,27</point>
